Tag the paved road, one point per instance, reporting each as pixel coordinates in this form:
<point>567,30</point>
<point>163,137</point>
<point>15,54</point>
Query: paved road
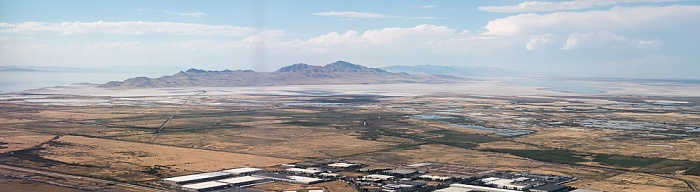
<point>126,186</point>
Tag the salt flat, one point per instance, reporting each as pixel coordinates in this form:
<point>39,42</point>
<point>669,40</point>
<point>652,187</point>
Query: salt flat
<point>472,87</point>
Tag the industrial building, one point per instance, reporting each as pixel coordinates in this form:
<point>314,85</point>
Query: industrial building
<point>329,175</point>
<point>434,178</point>
<point>243,171</point>
<point>471,188</point>
<point>304,171</point>
<point>289,178</point>
<point>242,181</point>
<point>513,184</point>
<point>378,177</point>
<point>205,186</point>
<point>401,172</point>
<point>196,178</point>
<point>344,165</point>
<point>404,185</point>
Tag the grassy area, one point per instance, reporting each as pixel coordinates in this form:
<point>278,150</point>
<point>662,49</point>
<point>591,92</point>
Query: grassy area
<point>625,161</point>
<point>554,156</point>
<point>671,166</point>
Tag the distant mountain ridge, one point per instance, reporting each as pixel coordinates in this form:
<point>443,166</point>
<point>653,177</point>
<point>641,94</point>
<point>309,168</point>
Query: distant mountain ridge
<point>339,66</point>
<point>454,70</point>
<point>340,72</point>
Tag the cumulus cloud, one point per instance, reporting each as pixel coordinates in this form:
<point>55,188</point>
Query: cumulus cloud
<point>593,38</point>
<point>126,27</point>
<point>264,38</point>
<point>420,33</point>
<point>538,40</point>
<point>392,35</point>
<point>550,6</point>
<point>616,18</point>
<point>354,15</point>
<point>334,38</point>
<point>648,43</point>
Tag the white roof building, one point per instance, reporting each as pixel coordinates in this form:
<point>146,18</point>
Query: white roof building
<point>305,180</point>
<point>243,171</point>
<point>205,186</point>
<point>245,180</point>
<point>343,165</point>
<point>419,164</point>
<point>431,177</point>
<point>381,177</point>
<point>328,175</point>
<point>202,177</point>
<point>506,183</point>
<point>289,178</point>
<point>308,171</point>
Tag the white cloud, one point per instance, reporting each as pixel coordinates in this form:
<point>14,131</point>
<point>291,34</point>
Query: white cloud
<point>427,6</point>
<point>264,38</point>
<point>648,43</point>
<point>392,35</point>
<point>126,27</point>
<point>550,6</point>
<point>615,19</point>
<point>593,39</point>
<point>538,40</point>
<point>354,15</point>
<point>334,38</point>
<point>420,34</point>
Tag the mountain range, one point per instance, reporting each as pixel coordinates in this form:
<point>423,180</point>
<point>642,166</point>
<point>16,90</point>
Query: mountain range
<point>340,72</point>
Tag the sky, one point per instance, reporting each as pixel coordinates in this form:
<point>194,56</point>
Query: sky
<point>570,38</point>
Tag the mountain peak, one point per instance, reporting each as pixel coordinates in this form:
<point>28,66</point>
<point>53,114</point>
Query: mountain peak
<point>338,66</point>
<point>299,67</point>
<point>193,70</point>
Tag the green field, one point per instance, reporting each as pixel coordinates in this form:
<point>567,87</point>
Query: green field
<point>553,156</point>
<point>625,161</point>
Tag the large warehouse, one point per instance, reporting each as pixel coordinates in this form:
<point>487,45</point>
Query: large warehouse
<point>289,178</point>
<point>205,186</point>
<point>196,178</point>
<point>241,181</point>
<point>243,171</point>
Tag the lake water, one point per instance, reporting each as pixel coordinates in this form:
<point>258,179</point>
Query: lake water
<point>25,80</point>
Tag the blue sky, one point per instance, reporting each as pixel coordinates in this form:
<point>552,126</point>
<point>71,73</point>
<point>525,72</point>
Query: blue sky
<point>602,38</point>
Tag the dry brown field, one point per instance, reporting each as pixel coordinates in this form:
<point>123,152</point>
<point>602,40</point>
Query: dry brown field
<point>117,140</point>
